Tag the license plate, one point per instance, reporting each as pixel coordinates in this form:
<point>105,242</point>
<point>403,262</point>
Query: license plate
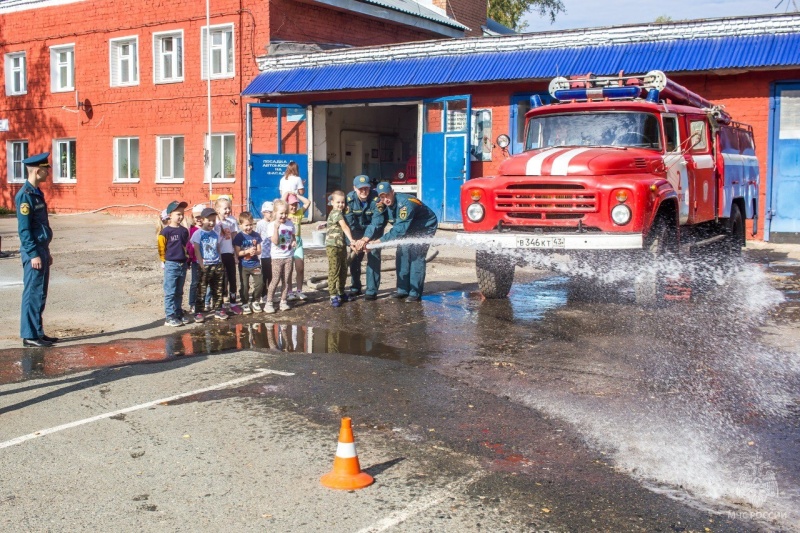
<point>540,242</point>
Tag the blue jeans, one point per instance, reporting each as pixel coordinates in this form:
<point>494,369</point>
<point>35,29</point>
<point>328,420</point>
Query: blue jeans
<point>174,279</point>
<point>193,285</point>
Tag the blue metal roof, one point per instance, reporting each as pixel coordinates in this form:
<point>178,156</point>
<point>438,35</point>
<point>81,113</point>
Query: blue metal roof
<point>671,56</point>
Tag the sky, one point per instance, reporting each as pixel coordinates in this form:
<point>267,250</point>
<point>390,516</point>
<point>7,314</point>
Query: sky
<point>593,13</point>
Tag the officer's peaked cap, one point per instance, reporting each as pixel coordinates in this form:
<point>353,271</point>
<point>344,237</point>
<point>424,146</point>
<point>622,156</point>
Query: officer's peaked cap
<point>38,160</point>
<point>361,181</point>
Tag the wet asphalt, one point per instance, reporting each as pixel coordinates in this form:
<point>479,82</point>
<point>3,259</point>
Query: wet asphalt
<point>574,410</point>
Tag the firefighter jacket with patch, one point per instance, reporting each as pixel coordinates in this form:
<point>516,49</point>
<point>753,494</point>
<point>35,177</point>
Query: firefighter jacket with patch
<point>32,223</point>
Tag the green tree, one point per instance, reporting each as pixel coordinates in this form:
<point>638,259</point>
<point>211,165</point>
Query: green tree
<point>509,12</point>
<point>661,19</point>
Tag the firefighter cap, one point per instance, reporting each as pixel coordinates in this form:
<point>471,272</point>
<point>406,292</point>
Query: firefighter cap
<point>38,160</point>
<point>361,181</point>
<point>383,187</point>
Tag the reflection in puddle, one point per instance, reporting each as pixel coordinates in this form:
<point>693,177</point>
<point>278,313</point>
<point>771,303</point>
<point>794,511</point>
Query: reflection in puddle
<point>22,364</point>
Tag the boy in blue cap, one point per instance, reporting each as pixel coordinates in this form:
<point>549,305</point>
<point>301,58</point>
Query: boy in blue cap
<point>35,235</point>
<point>410,218</point>
<point>172,243</point>
<point>365,215</point>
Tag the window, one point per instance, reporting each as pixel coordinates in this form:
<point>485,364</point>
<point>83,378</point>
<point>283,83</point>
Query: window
<point>521,104</point>
<point>124,61</point>
<point>62,68</point>
<point>170,158</point>
<point>64,159</point>
<point>221,52</point>
<point>697,132</point>
<point>168,57</point>
<point>126,159</point>
<point>671,134</point>
<point>17,151</point>
<point>16,75</point>
<point>223,157</point>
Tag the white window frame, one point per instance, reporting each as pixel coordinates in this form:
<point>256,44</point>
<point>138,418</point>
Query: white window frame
<point>58,145</point>
<point>160,178</point>
<point>11,70</point>
<point>115,61</point>
<point>130,178</point>
<point>229,70</point>
<point>158,57</point>
<point>11,161</point>
<point>57,85</point>
<point>219,175</point>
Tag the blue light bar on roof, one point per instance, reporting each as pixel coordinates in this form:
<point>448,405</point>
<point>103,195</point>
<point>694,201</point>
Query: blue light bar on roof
<point>597,93</point>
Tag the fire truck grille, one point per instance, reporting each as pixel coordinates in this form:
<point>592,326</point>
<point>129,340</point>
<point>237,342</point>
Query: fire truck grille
<point>545,201</point>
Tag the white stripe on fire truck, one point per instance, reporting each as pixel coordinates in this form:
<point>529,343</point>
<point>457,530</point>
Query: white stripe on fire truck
<point>561,163</point>
<point>534,166</point>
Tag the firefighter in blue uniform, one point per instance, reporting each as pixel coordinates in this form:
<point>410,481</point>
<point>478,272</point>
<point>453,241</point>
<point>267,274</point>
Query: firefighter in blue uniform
<point>410,219</point>
<point>34,235</point>
<point>366,217</point>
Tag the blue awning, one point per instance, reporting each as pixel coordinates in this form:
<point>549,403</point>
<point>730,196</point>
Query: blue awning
<point>692,55</point>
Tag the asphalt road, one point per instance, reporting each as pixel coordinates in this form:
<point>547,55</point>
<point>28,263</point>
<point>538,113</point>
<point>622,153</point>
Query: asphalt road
<point>558,412</point>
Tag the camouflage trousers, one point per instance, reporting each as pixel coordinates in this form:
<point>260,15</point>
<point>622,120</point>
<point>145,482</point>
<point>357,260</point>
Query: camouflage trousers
<point>337,270</point>
<point>210,276</point>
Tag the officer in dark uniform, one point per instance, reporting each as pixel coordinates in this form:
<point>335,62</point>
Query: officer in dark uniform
<point>410,219</point>
<point>35,236</point>
<point>365,215</point>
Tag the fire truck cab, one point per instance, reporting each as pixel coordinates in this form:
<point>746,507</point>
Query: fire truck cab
<point>622,163</point>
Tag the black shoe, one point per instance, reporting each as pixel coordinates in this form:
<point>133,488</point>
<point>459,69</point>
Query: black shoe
<point>352,291</point>
<point>371,297</point>
<point>399,295</point>
<point>413,299</point>
<point>36,343</point>
<point>50,339</point>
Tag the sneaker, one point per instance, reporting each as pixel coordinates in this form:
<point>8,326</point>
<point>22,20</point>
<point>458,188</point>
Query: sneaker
<point>269,308</point>
<point>185,319</point>
<point>284,306</point>
<point>173,322</point>
<point>371,297</point>
<point>354,291</point>
<point>346,298</point>
<point>256,307</point>
<point>336,302</point>
<point>221,315</point>
<point>301,296</point>
<point>292,296</point>
<point>246,310</point>
<point>199,318</point>
<point>236,310</point>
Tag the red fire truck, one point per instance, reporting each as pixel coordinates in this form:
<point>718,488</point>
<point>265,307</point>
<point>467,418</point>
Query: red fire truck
<point>635,164</point>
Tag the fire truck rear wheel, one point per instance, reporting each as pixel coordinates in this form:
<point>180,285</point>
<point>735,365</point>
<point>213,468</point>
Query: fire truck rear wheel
<point>734,234</point>
<point>495,274</point>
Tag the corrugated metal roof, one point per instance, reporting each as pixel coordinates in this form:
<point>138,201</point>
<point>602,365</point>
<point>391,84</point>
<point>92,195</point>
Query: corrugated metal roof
<point>418,10</point>
<point>672,56</point>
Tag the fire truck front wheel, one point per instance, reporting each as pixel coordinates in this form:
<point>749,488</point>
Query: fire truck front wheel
<point>649,283</point>
<point>495,274</point>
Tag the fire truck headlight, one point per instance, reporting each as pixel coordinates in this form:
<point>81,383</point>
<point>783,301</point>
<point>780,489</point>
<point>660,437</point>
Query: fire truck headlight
<point>621,214</point>
<point>475,212</point>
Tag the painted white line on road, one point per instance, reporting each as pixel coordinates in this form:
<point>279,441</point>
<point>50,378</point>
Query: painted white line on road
<point>421,505</point>
<point>43,432</point>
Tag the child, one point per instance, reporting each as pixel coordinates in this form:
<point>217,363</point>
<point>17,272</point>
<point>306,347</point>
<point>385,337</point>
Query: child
<point>172,241</point>
<point>207,242</point>
<point>336,249</point>
<point>291,182</point>
<point>193,266</point>
<point>281,234</point>
<point>296,214</point>
<point>247,245</point>
<point>266,246</point>
<point>226,228</point>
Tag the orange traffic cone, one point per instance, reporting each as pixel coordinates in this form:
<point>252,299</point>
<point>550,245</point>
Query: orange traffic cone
<point>346,473</point>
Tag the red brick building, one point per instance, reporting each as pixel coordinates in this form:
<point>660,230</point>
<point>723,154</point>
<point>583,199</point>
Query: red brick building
<point>423,109</point>
<point>119,93</point>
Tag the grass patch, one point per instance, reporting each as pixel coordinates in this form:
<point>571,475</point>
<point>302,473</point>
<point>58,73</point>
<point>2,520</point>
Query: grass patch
<point>6,211</point>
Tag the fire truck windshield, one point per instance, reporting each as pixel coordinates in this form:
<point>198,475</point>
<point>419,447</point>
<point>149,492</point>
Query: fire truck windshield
<point>624,129</point>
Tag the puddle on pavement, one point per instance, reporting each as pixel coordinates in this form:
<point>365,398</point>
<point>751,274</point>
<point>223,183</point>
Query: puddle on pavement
<point>32,363</point>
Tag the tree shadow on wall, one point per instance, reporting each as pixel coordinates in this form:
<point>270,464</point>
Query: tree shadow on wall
<point>33,117</point>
